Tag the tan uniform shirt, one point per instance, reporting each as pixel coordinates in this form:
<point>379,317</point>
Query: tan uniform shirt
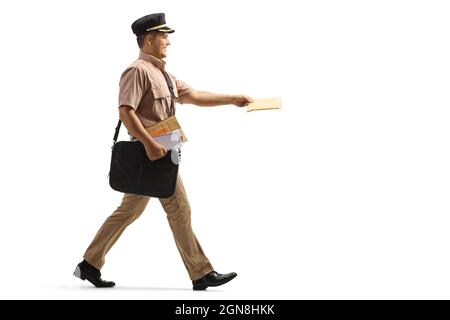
<point>144,88</point>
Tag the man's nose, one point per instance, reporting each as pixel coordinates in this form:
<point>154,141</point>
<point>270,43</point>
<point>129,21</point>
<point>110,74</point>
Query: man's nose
<point>168,42</point>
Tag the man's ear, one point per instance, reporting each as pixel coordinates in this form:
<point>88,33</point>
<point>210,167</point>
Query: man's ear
<point>148,38</point>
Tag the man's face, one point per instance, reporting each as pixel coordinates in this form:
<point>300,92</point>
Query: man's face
<point>159,43</point>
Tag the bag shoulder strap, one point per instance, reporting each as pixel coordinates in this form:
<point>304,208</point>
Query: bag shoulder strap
<point>116,134</point>
<point>172,105</point>
<point>172,95</point>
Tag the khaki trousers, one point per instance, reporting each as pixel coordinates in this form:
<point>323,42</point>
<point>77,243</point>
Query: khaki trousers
<point>179,217</point>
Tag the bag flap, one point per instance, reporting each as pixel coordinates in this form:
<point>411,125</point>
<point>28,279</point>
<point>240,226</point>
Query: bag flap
<point>133,153</point>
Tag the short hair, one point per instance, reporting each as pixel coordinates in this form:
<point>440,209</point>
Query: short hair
<point>141,38</point>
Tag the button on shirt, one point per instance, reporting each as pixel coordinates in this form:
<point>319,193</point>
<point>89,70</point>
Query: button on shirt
<point>144,88</point>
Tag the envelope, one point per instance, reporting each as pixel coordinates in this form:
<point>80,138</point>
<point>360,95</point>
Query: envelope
<point>264,104</point>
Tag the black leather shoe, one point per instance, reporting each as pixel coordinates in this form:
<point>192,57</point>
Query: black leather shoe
<point>213,279</point>
<point>86,271</point>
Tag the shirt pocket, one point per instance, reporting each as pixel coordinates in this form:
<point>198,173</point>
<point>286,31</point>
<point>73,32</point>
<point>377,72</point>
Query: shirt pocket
<point>162,92</point>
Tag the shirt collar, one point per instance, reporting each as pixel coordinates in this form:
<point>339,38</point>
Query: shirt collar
<point>155,61</point>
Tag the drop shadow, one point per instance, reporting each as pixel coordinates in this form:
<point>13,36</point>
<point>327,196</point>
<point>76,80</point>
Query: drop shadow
<point>138,288</point>
<point>86,286</point>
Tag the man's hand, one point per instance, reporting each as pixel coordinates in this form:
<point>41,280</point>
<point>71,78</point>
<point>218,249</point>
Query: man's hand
<point>129,118</point>
<point>241,101</point>
<point>155,151</point>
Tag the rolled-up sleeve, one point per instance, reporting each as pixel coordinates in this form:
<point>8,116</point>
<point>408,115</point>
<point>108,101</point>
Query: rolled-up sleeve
<point>183,88</point>
<point>133,86</point>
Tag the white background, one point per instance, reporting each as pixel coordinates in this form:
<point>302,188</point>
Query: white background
<point>343,194</point>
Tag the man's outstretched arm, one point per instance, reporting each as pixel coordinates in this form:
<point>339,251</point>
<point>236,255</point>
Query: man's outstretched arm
<point>208,99</point>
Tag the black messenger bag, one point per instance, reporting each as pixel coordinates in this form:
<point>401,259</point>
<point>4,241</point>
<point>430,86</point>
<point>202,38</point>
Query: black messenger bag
<point>131,170</point>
